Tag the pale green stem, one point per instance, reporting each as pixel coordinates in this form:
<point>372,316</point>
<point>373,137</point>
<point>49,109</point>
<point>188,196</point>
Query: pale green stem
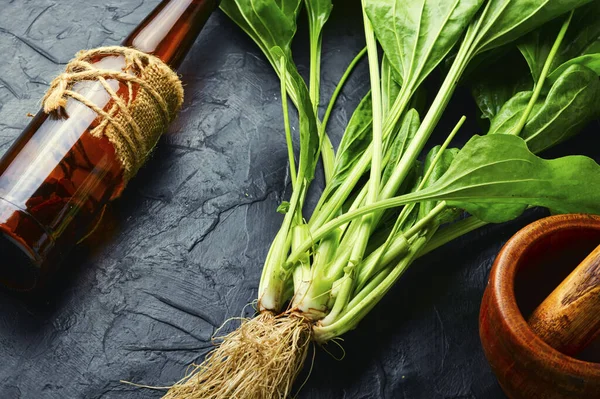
<point>377,150</point>
<point>313,297</point>
<point>452,232</point>
<point>367,273</point>
<point>268,283</point>
<point>326,143</point>
<point>380,258</point>
<point>326,211</point>
<point>431,118</point>
<point>545,70</point>
<point>345,249</point>
<point>340,85</point>
<point>272,286</point>
<point>272,282</point>
<point>286,121</point>
<point>327,208</point>
<point>358,201</point>
<point>314,83</point>
<point>415,147</point>
<point>372,294</point>
<point>360,305</point>
<point>345,218</point>
<point>328,157</point>
<point>325,148</point>
<point>334,269</point>
<point>360,243</point>
<point>302,271</point>
<point>440,153</point>
<point>347,244</point>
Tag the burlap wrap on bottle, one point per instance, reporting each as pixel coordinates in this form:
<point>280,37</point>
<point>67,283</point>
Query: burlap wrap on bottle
<point>134,121</point>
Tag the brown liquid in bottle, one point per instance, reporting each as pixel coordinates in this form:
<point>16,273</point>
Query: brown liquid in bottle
<point>57,178</point>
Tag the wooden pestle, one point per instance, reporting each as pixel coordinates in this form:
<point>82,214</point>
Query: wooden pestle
<point>569,318</point>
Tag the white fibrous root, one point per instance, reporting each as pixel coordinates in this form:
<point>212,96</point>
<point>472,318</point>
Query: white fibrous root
<point>259,360</point>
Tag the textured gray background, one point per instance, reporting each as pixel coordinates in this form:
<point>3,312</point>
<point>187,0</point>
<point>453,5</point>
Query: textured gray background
<point>182,250</point>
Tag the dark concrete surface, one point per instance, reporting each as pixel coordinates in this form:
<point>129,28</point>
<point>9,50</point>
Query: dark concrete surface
<point>182,250</point>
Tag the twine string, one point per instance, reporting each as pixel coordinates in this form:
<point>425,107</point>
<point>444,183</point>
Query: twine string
<point>133,125</point>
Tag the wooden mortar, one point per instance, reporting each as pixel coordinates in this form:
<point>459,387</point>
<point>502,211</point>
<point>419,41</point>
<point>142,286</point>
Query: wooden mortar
<point>569,318</point>
<point>530,266</point>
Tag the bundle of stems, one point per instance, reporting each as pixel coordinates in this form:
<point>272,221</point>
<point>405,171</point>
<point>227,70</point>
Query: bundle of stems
<point>386,203</point>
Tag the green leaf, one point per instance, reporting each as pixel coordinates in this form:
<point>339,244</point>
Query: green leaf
<point>590,61</point>
<point>509,115</point>
<point>284,207</point>
<point>572,102</point>
<point>494,83</point>
<point>318,13</point>
<point>491,212</point>
<point>582,38</point>
<point>270,23</point>
<point>309,135</point>
<point>409,126</point>
<point>416,35</point>
<point>593,48</point>
<point>536,49</point>
<point>289,8</point>
<point>495,177</point>
<point>355,141</point>
<point>503,21</point>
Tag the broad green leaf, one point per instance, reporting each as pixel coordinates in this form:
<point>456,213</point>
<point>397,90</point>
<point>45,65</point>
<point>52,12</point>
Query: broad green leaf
<point>593,48</point>
<point>309,136</point>
<point>536,48</point>
<point>270,23</point>
<point>509,115</point>
<point>502,21</point>
<point>573,102</point>
<point>416,35</point>
<point>495,177</point>
<point>288,7</point>
<point>582,38</point>
<point>590,61</point>
<point>496,84</point>
<point>318,13</point>
<point>408,128</point>
<point>356,139</point>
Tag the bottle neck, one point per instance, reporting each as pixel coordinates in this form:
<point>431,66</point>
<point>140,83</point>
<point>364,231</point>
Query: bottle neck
<point>171,29</point>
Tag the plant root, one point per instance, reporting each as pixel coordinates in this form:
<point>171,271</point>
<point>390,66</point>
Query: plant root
<point>259,360</point>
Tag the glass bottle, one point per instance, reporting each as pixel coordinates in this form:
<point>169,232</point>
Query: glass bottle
<point>57,178</point>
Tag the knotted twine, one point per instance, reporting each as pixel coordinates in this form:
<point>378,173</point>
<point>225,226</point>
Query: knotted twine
<point>132,123</point>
